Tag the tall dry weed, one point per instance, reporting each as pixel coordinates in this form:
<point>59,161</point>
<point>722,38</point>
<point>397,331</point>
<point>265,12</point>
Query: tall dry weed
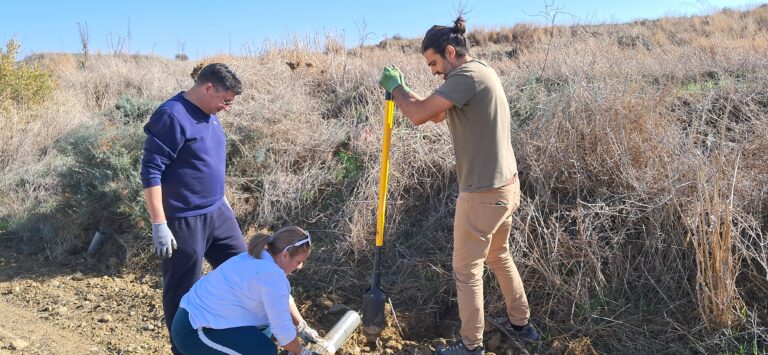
<point>716,290</point>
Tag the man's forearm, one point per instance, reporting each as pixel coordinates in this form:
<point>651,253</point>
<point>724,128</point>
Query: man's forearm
<point>154,200</point>
<point>410,104</point>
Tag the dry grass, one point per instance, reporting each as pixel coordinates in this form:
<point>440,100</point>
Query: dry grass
<point>641,150</point>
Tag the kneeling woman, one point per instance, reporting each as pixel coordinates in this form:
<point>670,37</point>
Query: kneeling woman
<point>236,308</point>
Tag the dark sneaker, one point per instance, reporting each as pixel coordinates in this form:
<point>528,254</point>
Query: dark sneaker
<point>528,332</point>
<point>458,348</point>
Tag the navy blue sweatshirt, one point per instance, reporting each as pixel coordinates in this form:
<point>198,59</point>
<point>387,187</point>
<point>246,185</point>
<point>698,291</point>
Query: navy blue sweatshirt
<point>185,152</point>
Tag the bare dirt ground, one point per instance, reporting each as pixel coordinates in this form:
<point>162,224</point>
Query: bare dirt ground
<point>24,332</point>
<point>89,306</point>
<point>66,308</point>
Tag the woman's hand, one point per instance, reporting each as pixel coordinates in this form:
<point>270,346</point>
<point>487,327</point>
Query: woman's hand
<point>308,334</point>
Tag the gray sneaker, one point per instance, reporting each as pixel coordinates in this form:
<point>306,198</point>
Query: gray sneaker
<point>528,332</point>
<point>458,348</point>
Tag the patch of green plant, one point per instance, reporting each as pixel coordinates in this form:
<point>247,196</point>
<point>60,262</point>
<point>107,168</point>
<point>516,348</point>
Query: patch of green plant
<point>98,187</point>
<point>4,225</point>
<point>297,291</point>
<point>101,183</point>
<point>708,85</point>
<point>134,110</point>
<point>744,312</point>
<point>588,308</point>
<point>21,83</point>
<point>747,348</point>
<point>351,165</point>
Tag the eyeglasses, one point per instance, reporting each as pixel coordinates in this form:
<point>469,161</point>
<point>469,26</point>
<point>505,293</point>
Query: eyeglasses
<point>226,102</point>
<point>306,240</point>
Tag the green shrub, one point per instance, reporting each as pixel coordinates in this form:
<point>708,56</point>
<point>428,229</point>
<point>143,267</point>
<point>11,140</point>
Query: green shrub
<point>132,110</point>
<point>98,189</point>
<point>100,184</point>
<point>20,83</point>
<point>351,166</point>
<point>4,225</point>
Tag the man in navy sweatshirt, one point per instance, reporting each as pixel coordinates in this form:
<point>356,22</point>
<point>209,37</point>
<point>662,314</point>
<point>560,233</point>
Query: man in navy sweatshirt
<point>182,173</point>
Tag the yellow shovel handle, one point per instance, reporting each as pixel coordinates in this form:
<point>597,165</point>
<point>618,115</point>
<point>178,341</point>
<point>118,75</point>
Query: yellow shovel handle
<point>389,113</point>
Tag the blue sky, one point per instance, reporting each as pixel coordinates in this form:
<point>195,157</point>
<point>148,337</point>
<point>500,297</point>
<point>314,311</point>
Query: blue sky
<point>202,28</point>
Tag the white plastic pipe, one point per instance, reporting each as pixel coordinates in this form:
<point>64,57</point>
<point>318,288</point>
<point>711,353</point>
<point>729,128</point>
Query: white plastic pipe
<point>342,331</point>
<point>95,243</point>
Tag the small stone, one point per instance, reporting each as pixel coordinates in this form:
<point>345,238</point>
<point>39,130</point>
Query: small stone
<point>55,283</point>
<point>439,342</point>
<point>16,289</point>
<point>18,344</point>
<point>106,318</point>
<point>62,311</point>
<point>394,345</point>
<point>422,350</point>
<point>147,327</point>
<point>325,303</point>
<point>78,276</point>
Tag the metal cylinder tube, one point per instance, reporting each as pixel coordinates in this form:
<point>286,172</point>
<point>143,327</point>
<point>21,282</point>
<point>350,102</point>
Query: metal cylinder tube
<point>342,331</point>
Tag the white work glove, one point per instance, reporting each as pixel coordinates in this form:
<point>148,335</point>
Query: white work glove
<point>314,341</point>
<point>163,240</point>
<point>320,348</point>
<point>308,334</point>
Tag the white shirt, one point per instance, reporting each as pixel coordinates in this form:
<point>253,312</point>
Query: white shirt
<point>243,291</point>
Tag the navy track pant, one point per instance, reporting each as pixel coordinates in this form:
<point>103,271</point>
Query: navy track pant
<point>214,236</point>
<point>205,341</point>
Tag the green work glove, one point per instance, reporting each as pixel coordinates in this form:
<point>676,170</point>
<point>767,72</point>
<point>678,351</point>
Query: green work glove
<point>402,81</point>
<point>391,78</point>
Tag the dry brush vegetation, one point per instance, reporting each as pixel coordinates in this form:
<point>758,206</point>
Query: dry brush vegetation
<point>641,147</point>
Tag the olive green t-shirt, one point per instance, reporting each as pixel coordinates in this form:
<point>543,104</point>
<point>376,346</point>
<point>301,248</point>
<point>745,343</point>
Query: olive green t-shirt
<point>479,123</point>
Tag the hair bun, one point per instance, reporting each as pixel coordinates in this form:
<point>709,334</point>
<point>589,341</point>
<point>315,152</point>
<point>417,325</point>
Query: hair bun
<point>459,26</point>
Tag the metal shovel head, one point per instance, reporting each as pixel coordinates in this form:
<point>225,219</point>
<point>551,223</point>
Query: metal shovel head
<point>373,311</point>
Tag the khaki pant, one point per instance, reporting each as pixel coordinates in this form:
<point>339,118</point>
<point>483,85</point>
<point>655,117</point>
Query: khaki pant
<point>481,234</point>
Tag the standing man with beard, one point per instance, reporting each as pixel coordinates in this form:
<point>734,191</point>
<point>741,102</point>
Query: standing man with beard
<point>473,102</point>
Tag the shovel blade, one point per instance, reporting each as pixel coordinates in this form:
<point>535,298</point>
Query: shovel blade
<point>373,311</point>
